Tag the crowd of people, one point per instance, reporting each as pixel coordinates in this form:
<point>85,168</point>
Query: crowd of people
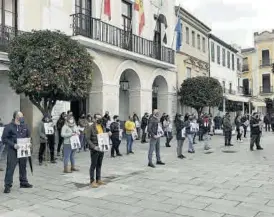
<point>151,127</point>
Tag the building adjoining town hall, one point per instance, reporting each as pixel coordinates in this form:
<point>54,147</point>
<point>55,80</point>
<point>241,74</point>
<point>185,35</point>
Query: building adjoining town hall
<point>131,44</point>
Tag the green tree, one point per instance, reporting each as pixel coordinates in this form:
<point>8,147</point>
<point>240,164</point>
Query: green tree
<point>200,92</point>
<point>48,66</point>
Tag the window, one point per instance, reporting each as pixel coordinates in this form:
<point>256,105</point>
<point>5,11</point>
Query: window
<point>228,59</point>
<point>127,15</point>
<point>223,55</point>
<point>265,58</point>
<point>193,38</point>
<point>212,52</point>
<point>230,87</point>
<point>84,9</point>
<point>204,45</point>
<point>223,86</point>
<point>218,54</point>
<point>233,62</point>
<point>238,64</point>
<point>199,41</point>
<point>187,35</point>
<point>188,72</point>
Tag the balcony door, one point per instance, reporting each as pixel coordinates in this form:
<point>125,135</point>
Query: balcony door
<point>83,9</point>
<point>157,40</point>
<point>266,83</point>
<point>127,25</point>
<point>265,58</point>
<point>9,12</point>
<point>246,86</point>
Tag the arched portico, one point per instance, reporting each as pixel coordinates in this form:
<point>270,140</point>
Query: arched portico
<point>160,94</point>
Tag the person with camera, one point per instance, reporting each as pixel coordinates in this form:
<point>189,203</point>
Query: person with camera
<point>256,130</point>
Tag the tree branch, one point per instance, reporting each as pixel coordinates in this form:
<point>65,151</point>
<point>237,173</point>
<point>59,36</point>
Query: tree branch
<point>37,104</point>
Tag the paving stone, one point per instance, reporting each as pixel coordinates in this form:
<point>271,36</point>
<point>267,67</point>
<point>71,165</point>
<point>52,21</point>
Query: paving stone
<point>180,196</point>
<point>258,200</point>
<point>264,214</point>
<point>88,201</point>
<point>153,213</point>
<point>196,212</point>
<point>19,213</point>
<point>257,207</point>
<point>185,203</point>
<point>121,199</point>
<point>209,200</point>
<point>148,204</point>
<point>47,211</point>
<point>87,210</point>
<point>205,193</point>
<point>59,204</point>
<point>155,198</point>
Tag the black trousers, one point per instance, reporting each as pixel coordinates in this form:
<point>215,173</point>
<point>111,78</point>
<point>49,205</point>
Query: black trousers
<point>267,127</point>
<point>228,135</point>
<point>96,164</point>
<point>12,161</point>
<point>255,139</point>
<point>245,130</point>
<point>42,148</point>
<point>115,146</point>
<point>144,135</point>
<point>60,141</point>
<point>239,135</point>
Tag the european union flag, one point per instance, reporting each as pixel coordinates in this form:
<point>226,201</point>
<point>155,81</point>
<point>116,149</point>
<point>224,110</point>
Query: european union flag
<point>178,30</point>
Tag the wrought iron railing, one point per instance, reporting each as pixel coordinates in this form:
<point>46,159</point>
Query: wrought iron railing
<point>265,62</point>
<point>266,89</point>
<point>98,30</point>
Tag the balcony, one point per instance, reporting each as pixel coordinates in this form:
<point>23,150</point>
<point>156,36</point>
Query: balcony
<point>229,91</point>
<point>98,30</point>
<point>245,68</point>
<point>265,63</point>
<point>266,90</point>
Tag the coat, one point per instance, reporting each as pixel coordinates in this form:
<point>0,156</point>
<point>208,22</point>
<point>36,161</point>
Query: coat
<point>67,132</point>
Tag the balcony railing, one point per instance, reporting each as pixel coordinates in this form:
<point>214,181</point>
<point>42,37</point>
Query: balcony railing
<point>245,68</point>
<point>266,89</point>
<point>265,63</point>
<point>7,33</point>
<point>240,90</point>
<point>97,30</point>
<point>229,91</point>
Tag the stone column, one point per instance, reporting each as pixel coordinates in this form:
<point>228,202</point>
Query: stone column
<point>224,106</point>
<point>243,106</point>
<point>135,102</point>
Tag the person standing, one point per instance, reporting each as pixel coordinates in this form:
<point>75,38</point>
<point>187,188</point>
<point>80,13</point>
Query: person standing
<point>227,127</point>
<point>17,129</point>
<point>137,123</point>
<point>200,122</point>
<point>115,136</point>
<point>2,146</point>
<point>105,119</point>
<point>255,128</point>
<point>155,130</point>
<point>245,123</point>
<point>83,123</point>
<point>68,131</point>
<point>60,123</point>
<point>130,128</point>
<point>191,129</point>
<point>207,131</point>
<point>96,156</point>
<point>180,135</point>
<point>144,124</point>
<point>267,122</point>
<point>238,124</point>
<point>168,130</point>
<point>46,139</point>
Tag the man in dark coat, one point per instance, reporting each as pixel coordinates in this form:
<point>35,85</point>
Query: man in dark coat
<point>227,127</point>
<point>115,136</point>
<point>144,124</point>
<point>17,129</point>
<point>255,128</point>
<point>179,124</point>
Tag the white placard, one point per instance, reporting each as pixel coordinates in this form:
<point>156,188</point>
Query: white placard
<point>1,133</point>
<point>49,130</point>
<point>134,135</point>
<point>160,131</point>
<point>184,132</point>
<point>24,148</point>
<point>146,129</point>
<point>75,142</point>
<point>137,124</point>
<point>103,142</point>
<point>194,128</point>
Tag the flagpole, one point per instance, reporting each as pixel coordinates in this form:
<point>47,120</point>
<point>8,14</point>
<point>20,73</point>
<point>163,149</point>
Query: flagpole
<point>102,2</point>
<point>177,16</point>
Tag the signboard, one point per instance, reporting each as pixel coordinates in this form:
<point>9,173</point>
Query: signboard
<point>160,131</point>
<point>49,130</point>
<point>1,133</point>
<point>75,142</point>
<point>24,148</point>
<point>103,142</point>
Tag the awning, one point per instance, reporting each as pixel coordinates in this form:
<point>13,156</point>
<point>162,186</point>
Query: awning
<point>258,103</point>
<point>236,98</point>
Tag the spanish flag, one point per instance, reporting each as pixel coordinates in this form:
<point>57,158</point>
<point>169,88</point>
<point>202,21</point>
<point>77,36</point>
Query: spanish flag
<point>139,6</point>
<point>107,8</point>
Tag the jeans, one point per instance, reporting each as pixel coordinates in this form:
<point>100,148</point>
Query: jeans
<point>60,141</point>
<point>169,137</point>
<point>96,164</point>
<point>190,142</point>
<point>180,147</point>
<point>228,135</point>
<point>129,143</point>
<point>154,144</point>
<point>82,140</point>
<point>2,148</point>
<point>239,135</point>
<point>11,164</point>
<point>255,139</point>
<point>69,155</point>
<point>115,146</point>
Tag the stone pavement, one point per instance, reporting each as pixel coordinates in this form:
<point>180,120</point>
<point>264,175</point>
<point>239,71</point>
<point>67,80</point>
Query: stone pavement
<point>219,184</point>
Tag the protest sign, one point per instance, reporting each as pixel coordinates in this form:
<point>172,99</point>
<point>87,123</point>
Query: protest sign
<point>103,142</point>
<point>24,147</point>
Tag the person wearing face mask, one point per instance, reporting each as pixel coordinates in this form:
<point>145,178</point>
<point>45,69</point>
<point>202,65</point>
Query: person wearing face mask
<point>69,129</point>
<point>255,128</point>
<point>191,129</point>
<point>129,127</point>
<point>60,123</point>
<point>83,123</point>
<point>155,130</point>
<point>115,136</point>
<point>46,139</point>
<point>144,123</point>
<point>227,127</point>
<point>17,129</point>
<point>179,124</point>
<point>96,155</point>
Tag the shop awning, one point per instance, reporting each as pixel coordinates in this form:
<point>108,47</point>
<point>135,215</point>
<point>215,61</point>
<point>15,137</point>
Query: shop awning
<point>236,98</point>
<point>258,102</point>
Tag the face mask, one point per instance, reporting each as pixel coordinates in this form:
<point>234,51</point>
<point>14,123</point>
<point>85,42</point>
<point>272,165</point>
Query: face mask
<point>71,121</point>
<point>22,120</point>
<point>117,120</point>
<point>99,121</point>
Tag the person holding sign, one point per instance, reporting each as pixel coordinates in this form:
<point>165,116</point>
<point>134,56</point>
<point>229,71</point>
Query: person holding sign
<point>96,155</point>
<point>17,129</point>
<point>191,128</point>
<point>130,132</point>
<point>115,136</point>
<point>69,133</point>
<point>155,131</point>
<point>47,137</point>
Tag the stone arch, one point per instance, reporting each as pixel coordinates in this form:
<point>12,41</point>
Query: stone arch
<point>155,74</point>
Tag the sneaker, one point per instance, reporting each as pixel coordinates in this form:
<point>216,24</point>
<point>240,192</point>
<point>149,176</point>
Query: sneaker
<point>26,185</point>
<point>260,148</point>
<point>183,156</point>
<point>112,156</point>
<point>230,145</point>
<point>160,163</point>
<point>151,165</point>
<point>53,161</point>
<point>191,151</point>
<point>7,190</point>
<point>131,152</point>
<point>120,155</point>
<point>251,149</point>
<point>94,184</point>
<point>100,182</point>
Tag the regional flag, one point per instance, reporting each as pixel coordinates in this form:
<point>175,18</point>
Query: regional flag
<point>107,8</point>
<point>139,6</point>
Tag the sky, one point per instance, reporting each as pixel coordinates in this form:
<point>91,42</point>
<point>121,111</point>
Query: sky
<point>233,21</point>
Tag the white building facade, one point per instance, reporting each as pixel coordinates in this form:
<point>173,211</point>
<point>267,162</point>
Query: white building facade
<point>226,66</point>
<point>133,72</point>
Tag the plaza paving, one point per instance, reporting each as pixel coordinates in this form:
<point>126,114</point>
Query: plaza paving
<point>219,184</point>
